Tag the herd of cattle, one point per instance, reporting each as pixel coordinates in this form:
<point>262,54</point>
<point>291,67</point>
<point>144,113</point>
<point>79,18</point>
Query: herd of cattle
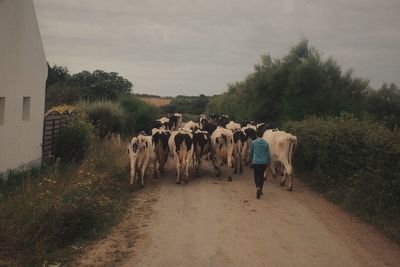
<point>215,138</point>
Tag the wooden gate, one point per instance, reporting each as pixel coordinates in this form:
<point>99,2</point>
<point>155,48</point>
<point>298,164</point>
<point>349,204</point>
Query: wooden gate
<point>53,121</point>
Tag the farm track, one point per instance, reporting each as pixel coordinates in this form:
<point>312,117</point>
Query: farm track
<point>212,222</point>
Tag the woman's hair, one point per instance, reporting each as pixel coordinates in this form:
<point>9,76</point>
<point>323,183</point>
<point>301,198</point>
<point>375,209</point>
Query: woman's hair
<point>259,133</point>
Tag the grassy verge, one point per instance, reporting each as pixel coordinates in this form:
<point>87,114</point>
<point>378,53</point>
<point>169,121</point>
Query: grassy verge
<point>354,163</point>
<point>48,215</point>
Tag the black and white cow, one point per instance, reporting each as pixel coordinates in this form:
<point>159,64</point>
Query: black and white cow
<point>154,124</point>
<point>192,126</point>
<point>202,120</point>
<point>222,150</point>
<point>263,126</point>
<point>232,126</point>
<point>181,149</point>
<point>160,139</point>
<point>164,122</point>
<point>245,123</point>
<point>239,138</point>
<point>141,151</point>
<point>282,146</point>
<point>223,120</point>
<point>250,135</point>
<point>175,121</point>
<point>202,146</point>
<point>213,118</point>
<point>209,127</point>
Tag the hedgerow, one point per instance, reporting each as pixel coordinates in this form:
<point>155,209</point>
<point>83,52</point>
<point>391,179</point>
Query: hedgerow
<point>355,163</point>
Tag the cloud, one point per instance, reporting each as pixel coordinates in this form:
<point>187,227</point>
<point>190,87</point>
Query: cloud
<point>172,47</point>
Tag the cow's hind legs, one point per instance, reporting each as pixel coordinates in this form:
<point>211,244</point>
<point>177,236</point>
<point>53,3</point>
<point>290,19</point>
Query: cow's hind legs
<point>133,174</point>
<point>186,177</point>
<point>219,171</point>
<point>155,168</point>
<point>178,171</point>
<point>197,168</point>
<point>217,166</point>
<point>290,187</point>
<point>229,163</point>
<point>287,172</point>
<point>142,176</point>
<point>283,180</point>
<point>236,166</point>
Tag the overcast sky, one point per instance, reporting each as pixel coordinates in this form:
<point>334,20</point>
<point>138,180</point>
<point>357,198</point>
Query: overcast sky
<point>170,47</point>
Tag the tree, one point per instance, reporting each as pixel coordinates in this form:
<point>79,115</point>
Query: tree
<point>63,88</point>
<point>187,104</point>
<point>101,85</point>
<point>299,84</point>
<point>384,104</point>
<point>55,74</point>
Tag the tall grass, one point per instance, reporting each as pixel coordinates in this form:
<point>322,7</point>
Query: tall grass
<point>48,215</point>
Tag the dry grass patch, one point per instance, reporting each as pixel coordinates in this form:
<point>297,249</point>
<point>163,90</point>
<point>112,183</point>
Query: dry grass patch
<point>156,101</point>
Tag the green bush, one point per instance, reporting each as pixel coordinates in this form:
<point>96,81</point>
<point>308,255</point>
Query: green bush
<point>137,114</point>
<point>355,163</point>
<point>106,116</point>
<point>75,138</point>
<point>384,104</point>
<point>187,104</point>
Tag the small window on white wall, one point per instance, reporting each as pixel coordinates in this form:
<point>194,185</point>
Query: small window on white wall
<point>2,109</point>
<point>26,108</point>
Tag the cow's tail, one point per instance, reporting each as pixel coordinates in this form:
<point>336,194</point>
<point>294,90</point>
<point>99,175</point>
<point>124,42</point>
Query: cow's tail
<point>293,144</point>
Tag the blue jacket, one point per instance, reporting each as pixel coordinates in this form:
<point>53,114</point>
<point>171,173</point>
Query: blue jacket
<point>260,152</point>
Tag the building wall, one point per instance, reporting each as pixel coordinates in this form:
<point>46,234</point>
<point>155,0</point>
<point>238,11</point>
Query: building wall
<point>23,73</point>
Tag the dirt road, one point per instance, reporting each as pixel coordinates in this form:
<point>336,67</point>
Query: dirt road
<point>212,222</point>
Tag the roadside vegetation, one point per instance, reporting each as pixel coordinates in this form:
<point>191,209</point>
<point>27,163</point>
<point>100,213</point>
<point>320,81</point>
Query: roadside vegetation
<point>354,163</point>
<point>348,132</point>
<point>49,214</point>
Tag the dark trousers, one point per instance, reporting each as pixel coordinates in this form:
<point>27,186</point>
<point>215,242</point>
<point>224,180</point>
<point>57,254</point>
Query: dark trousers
<point>259,170</point>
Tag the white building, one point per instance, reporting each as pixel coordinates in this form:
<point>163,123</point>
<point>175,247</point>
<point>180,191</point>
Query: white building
<point>23,74</point>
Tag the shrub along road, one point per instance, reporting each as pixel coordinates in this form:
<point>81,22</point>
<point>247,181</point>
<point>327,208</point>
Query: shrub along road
<point>212,222</point>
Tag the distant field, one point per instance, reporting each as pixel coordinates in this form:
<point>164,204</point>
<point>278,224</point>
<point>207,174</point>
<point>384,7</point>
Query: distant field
<point>156,101</point>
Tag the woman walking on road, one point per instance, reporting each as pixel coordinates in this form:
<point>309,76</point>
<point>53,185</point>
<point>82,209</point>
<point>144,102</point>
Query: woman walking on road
<point>260,158</point>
